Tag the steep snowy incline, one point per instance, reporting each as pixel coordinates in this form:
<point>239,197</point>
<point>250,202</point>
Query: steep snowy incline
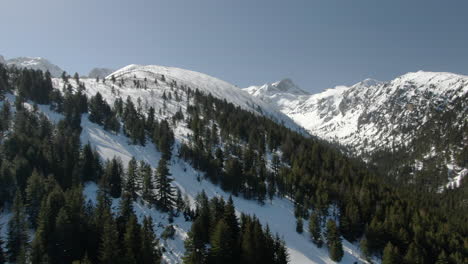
<point>278,214</point>
<point>206,84</point>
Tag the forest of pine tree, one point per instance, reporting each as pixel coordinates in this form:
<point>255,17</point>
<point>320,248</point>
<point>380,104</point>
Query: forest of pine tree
<point>43,167</point>
<point>217,236</point>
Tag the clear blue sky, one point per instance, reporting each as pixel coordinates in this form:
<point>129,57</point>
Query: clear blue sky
<point>319,44</point>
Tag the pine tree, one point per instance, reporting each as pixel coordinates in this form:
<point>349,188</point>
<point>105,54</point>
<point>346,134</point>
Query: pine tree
<point>149,252</point>
<point>76,76</point>
<point>282,255</point>
<point>62,238</point>
<point>125,211</point>
<point>299,225</point>
<point>222,244</point>
<point>131,181</point>
<point>335,247</point>
<point>165,197</point>
<point>147,183</point>
<point>35,192</point>
<point>131,241</point>
<point>390,255</point>
<point>109,248</point>
<point>315,229</point>
<point>17,234</point>
<point>112,178</point>
<point>414,255</point>
<point>365,248</point>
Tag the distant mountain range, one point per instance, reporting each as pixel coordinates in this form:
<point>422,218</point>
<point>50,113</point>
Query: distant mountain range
<point>367,118</point>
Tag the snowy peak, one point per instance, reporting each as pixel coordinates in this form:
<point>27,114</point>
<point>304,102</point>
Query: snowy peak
<point>2,60</point>
<point>368,83</point>
<point>285,86</point>
<point>100,72</point>
<point>205,83</point>
<point>35,63</point>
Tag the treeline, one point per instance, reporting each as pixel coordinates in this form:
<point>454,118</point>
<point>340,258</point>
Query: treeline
<point>217,236</point>
<point>230,145</point>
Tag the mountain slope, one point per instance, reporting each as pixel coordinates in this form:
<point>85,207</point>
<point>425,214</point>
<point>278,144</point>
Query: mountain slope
<point>373,116</point>
<point>35,63</point>
<point>206,84</point>
<point>278,214</point>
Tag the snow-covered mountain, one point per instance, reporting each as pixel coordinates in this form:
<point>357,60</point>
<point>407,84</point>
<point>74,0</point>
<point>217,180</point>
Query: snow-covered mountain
<point>100,72</point>
<point>35,63</point>
<point>206,84</point>
<point>138,83</point>
<point>373,116</point>
<point>2,59</point>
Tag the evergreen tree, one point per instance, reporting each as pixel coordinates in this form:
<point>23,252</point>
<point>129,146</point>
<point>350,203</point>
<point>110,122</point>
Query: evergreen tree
<point>131,185</point>
<point>390,254</point>
<point>222,244</point>
<point>315,229</point>
<point>131,239</point>
<point>165,196</point>
<point>62,238</point>
<point>335,247</point>
<point>365,248</point>
<point>112,178</point>
<point>17,234</point>
<point>35,192</point>
<point>299,225</point>
<point>109,248</point>
<point>147,182</point>
<point>150,253</point>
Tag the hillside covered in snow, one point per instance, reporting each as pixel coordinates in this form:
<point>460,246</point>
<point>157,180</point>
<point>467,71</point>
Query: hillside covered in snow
<point>151,140</point>
<point>395,116</point>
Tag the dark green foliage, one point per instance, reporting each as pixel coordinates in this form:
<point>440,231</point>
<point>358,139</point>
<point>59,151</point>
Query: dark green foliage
<point>35,192</point>
<point>134,123</point>
<point>91,168</point>
<point>335,248</point>
<point>34,85</point>
<point>131,181</point>
<point>390,255</point>
<point>101,113</point>
<point>165,191</point>
<point>109,247</point>
<point>17,234</point>
<point>149,251</point>
<point>299,225</point>
<point>315,229</point>
<point>112,178</point>
<point>230,242</point>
